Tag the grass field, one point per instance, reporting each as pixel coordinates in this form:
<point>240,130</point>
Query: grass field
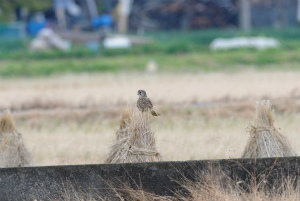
<point>173,51</point>
<point>73,119</point>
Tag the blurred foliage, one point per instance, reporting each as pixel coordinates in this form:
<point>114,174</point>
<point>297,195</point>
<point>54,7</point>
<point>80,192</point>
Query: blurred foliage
<point>8,7</point>
<point>173,51</point>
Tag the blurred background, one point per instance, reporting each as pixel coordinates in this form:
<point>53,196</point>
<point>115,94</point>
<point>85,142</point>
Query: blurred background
<point>68,67</point>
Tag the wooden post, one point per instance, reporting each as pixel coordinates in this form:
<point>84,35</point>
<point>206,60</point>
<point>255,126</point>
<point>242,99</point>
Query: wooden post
<point>188,15</point>
<point>92,7</point>
<point>245,15</point>
<point>124,8</point>
<point>282,13</point>
<point>61,18</point>
<point>298,12</point>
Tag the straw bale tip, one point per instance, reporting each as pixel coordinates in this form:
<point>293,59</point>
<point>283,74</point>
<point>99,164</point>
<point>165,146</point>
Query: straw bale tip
<point>126,114</point>
<point>7,124</point>
<point>264,114</point>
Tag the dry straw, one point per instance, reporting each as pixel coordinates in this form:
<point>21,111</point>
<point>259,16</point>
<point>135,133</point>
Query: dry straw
<point>266,140</point>
<point>13,152</point>
<point>135,141</point>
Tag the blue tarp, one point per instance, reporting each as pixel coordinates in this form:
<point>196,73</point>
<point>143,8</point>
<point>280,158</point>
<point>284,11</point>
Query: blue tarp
<point>33,27</point>
<point>104,20</point>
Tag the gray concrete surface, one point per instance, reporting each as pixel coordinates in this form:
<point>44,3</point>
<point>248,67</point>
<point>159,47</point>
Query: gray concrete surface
<point>49,183</point>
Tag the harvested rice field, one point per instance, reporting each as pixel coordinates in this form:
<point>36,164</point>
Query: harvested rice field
<point>72,119</point>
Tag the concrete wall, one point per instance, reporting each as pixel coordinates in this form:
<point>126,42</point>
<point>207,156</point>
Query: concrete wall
<point>45,183</point>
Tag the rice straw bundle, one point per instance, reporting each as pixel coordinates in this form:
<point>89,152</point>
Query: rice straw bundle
<point>135,140</point>
<point>266,140</point>
<point>13,152</point>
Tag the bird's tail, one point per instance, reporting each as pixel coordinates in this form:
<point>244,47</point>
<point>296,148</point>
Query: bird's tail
<point>154,113</point>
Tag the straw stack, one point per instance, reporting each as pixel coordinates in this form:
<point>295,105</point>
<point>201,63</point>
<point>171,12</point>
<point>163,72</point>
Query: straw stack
<point>135,141</point>
<point>13,152</point>
<point>265,140</point>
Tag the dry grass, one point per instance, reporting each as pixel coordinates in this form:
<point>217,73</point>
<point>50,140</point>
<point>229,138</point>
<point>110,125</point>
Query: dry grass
<point>212,188</point>
<point>135,141</point>
<point>13,152</point>
<point>265,139</point>
<point>73,119</point>
<point>68,138</point>
<point>207,187</point>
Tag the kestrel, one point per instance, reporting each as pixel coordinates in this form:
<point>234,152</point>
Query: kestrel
<point>144,103</point>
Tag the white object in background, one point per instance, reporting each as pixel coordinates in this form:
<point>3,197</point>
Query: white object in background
<point>244,42</point>
<point>46,38</point>
<point>39,44</point>
<point>117,42</point>
<point>151,67</point>
<point>73,9</point>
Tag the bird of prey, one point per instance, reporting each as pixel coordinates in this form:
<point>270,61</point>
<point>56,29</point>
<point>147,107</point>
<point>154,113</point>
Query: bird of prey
<point>144,103</point>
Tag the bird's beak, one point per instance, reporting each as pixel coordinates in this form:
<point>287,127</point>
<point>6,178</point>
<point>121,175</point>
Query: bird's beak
<point>138,93</point>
